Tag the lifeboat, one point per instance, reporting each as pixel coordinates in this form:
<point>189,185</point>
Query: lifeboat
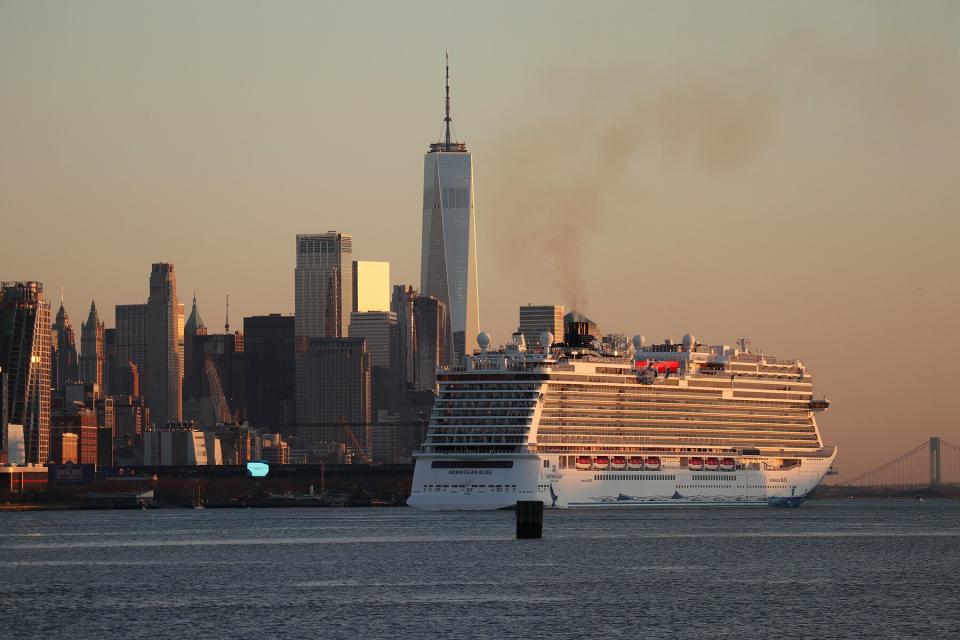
<point>711,464</point>
<point>601,462</point>
<point>635,463</point>
<point>696,464</point>
<point>728,464</point>
<point>652,463</point>
<point>619,463</point>
<point>584,462</point>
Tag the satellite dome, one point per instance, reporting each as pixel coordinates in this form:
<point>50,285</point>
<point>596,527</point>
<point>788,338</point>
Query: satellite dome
<point>483,339</point>
<point>638,341</point>
<point>546,339</point>
<point>689,341</point>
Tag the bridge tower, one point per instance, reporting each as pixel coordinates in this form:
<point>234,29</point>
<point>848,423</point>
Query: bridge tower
<point>934,462</point>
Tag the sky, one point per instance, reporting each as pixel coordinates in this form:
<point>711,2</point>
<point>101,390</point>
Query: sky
<point>781,171</point>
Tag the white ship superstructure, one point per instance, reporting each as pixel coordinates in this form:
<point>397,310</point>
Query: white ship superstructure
<point>673,424</point>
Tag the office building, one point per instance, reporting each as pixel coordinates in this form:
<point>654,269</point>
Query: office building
<point>432,342</point>
<point>268,362</point>
<point>64,447</point>
<point>131,342</point>
<point>131,418</point>
<point>401,303</point>
<point>13,450</point>
<point>423,339</point>
<point>164,372</point>
<point>324,295</point>
<point>105,444</point>
<point>336,406</point>
<point>535,319</point>
<point>64,362</point>
<point>92,355</point>
<point>448,264</point>
<point>110,357</point>
<point>82,422</point>
<point>371,286</point>
<point>379,329</point>
<point>25,353</point>
<point>275,449</point>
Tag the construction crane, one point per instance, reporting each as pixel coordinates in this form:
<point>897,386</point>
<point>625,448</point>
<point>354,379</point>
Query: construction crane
<point>348,437</point>
<point>220,408</point>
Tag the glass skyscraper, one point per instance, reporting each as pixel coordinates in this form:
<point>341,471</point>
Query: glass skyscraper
<point>448,265</point>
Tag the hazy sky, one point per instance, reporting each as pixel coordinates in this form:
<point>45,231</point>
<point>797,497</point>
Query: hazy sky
<point>787,172</point>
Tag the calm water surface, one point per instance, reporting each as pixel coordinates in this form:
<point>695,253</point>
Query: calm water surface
<point>888,569</point>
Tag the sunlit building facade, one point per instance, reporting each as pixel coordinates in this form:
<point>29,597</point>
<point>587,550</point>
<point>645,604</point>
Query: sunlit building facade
<point>371,286</point>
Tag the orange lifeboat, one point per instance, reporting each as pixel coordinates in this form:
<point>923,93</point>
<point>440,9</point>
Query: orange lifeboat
<point>601,462</point>
<point>711,464</point>
<point>584,462</point>
<point>695,464</point>
<point>635,463</point>
<point>728,464</point>
<point>652,463</point>
<point>618,463</point>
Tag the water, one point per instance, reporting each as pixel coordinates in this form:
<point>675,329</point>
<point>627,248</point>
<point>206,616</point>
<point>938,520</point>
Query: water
<point>827,570</point>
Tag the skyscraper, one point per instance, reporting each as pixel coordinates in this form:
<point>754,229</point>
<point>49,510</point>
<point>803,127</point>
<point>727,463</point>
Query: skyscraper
<point>64,363</point>
<point>92,349</point>
<point>269,368</point>
<point>432,341</point>
<point>448,264</point>
<point>339,397</point>
<point>371,286</point>
<point>131,342</point>
<point>25,359</point>
<point>535,319</point>
<point>379,329</point>
<point>164,373</point>
<point>324,295</point>
<point>423,339</point>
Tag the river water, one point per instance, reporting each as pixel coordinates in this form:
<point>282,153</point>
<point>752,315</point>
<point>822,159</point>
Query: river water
<point>831,569</point>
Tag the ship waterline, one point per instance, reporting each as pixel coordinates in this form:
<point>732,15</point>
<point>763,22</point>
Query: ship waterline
<point>664,425</point>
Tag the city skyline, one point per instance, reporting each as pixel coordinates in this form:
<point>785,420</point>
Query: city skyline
<point>850,197</point>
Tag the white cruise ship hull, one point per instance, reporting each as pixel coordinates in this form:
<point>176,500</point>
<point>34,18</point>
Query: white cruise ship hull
<point>442,483</point>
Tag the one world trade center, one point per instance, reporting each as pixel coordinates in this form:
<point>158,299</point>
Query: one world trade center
<point>448,263</point>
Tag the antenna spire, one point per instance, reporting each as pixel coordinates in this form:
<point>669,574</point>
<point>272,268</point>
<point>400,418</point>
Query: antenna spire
<point>226,324</point>
<point>446,119</point>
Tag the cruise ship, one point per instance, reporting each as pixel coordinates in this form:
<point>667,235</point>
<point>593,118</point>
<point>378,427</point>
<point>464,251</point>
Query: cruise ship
<point>577,426</point>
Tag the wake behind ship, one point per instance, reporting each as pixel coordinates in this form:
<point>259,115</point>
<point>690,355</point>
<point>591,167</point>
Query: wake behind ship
<point>662,425</point>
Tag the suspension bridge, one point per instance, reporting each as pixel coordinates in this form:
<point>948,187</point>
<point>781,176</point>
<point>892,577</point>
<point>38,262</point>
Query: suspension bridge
<point>932,465</point>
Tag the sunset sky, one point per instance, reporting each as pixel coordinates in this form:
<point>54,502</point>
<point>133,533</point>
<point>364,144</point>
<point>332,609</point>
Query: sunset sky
<point>786,172</point>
